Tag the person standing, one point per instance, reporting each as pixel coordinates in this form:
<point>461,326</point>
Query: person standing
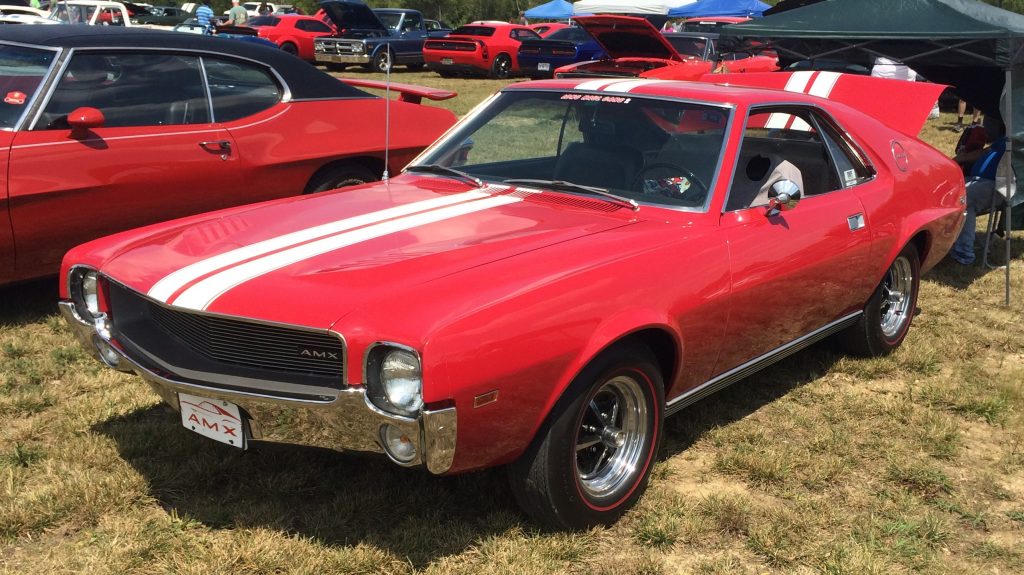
<point>237,16</point>
<point>204,17</point>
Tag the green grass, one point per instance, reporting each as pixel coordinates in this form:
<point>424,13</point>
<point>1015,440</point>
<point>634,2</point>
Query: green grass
<point>912,463</point>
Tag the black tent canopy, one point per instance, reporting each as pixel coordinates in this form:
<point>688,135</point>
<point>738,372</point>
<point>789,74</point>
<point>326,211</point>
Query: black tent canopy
<point>968,44</point>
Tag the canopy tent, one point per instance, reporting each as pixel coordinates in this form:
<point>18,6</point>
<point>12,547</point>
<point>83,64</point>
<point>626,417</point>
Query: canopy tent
<point>554,10</point>
<point>750,8</point>
<point>971,45</point>
<point>644,7</point>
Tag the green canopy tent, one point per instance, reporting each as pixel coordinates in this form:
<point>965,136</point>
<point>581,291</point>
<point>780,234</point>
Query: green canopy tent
<point>971,45</point>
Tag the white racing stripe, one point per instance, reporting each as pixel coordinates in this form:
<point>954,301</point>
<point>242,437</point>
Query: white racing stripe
<point>177,280</point>
<point>823,84</point>
<point>595,85</point>
<point>633,84</point>
<point>203,293</point>
<point>796,83</point>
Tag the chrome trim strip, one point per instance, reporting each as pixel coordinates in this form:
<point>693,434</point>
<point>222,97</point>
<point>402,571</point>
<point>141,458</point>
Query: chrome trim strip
<point>758,363</point>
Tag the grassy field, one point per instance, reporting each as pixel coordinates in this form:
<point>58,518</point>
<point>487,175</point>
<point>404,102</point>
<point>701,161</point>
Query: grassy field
<point>913,463</point>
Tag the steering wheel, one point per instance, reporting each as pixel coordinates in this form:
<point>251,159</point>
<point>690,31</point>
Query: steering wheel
<point>670,185</point>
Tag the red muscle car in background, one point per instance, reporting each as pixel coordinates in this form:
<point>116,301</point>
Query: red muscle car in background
<point>293,33</point>
<point>542,303</point>
<point>636,48</point>
<point>106,129</point>
<point>479,49</point>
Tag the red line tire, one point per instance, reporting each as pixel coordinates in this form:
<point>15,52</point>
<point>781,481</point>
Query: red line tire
<point>889,312</point>
<point>592,459</point>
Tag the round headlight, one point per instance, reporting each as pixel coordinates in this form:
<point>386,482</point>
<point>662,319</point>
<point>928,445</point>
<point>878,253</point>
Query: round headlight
<point>83,286</point>
<point>402,380</point>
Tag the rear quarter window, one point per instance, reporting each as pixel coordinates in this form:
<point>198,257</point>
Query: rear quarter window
<point>240,89</point>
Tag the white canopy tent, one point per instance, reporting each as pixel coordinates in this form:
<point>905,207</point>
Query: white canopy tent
<point>653,7</point>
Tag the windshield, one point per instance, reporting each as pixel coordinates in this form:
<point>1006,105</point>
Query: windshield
<point>21,71</point>
<point>688,46</point>
<point>652,151</point>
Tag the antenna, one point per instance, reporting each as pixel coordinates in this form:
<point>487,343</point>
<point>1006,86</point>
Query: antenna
<point>387,116</point>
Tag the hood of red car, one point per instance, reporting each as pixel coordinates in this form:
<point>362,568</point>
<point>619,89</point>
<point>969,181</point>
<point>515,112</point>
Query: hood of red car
<point>628,37</point>
<point>312,260</point>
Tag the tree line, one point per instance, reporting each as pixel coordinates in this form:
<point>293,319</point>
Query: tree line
<point>456,12</point>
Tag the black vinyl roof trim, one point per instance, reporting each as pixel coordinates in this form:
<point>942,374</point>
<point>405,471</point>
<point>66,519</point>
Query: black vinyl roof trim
<point>304,80</point>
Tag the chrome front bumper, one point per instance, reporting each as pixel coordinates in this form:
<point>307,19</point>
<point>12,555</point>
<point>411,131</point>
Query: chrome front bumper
<point>347,422</point>
<point>343,58</point>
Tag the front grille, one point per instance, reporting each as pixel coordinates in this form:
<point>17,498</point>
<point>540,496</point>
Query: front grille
<point>225,349</point>
<point>252,344</point>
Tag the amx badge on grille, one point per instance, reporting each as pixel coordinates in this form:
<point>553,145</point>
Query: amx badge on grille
<point>314,353</point>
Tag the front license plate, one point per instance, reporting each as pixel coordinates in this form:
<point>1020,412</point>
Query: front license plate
<point>447,61</point>
<point>544,67</point>
<point>214,418</point>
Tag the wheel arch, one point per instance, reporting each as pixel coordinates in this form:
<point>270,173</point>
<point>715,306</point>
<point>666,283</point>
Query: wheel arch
<point>371,163</point>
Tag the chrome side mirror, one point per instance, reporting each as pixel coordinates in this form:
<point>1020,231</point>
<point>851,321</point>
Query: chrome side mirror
<point>784,196</point>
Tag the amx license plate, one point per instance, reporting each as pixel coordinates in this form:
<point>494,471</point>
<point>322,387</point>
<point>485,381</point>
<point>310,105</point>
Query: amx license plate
<point>214,418</point>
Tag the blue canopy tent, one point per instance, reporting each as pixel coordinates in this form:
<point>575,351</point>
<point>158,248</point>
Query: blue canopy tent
<point>554,10</point>
<point>752,8</point>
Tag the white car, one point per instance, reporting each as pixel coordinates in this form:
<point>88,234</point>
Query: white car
<point>92,12</point>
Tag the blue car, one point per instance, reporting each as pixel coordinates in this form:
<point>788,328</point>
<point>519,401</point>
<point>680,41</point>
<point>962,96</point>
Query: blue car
<point>540,58</point>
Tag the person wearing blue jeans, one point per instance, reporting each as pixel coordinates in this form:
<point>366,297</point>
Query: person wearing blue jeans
<point>981,182</point>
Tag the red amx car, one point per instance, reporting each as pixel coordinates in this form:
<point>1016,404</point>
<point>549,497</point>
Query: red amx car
<point>540,303</point>
<point>294,33</point>
<point>636,48</point>
<point>479,48</point>
<point>106,129</point>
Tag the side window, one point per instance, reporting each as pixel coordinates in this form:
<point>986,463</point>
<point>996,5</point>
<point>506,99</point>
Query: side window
<point>239,89</point>
<point>143,89</point>
<point>412,22</point>
<point>850,162</point>
<point>312,26</point>
<point>781,143</point>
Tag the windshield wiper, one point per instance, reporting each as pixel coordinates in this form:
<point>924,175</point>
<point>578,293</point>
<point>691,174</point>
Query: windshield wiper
<point>571,187</point>
<point>445,170</point>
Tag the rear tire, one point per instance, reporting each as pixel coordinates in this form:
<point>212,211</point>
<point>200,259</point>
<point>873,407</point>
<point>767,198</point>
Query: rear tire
<point>591,460</point>
<point>887,315</point>
<point>501,68</point>
<point>339,176</point>
<point>290,48</point>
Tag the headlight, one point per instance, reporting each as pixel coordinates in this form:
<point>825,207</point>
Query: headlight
<point>395,379</point>
<point>83,285</point>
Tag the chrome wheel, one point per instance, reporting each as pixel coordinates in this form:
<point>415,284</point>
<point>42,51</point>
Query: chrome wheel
<point>897,291</point>
<point>382,61</point>
<point>611,438</point>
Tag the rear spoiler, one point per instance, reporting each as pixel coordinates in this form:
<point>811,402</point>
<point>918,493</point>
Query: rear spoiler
<point>406,92</point>
<point>899,104</point>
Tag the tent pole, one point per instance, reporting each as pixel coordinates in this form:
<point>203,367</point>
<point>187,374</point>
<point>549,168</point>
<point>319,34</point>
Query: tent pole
<point>1011,185</point>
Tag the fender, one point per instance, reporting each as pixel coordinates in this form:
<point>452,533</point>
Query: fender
<point>613,330</point>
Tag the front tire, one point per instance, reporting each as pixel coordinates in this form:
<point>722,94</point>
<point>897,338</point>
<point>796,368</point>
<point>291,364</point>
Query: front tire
<point>887,315</point>
<point>382,61</point>
<point>592,459</point>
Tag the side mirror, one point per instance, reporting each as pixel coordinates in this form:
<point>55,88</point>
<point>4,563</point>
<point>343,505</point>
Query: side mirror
<point>84,119</point>
<point>784,196</point>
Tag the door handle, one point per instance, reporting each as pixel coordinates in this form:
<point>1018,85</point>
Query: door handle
<point>222,147</point>
<point>856,221</point>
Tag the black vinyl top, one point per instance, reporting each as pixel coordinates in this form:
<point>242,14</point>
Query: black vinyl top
<point>304,80</point>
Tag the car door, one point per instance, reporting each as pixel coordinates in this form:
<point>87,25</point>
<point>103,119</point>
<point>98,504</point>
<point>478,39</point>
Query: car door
<point>156,155</point>
<point>797,270</point>
<point>410,47</point>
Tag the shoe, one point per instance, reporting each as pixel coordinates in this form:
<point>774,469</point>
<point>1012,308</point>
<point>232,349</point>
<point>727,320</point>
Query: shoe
<point>961,260</point>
